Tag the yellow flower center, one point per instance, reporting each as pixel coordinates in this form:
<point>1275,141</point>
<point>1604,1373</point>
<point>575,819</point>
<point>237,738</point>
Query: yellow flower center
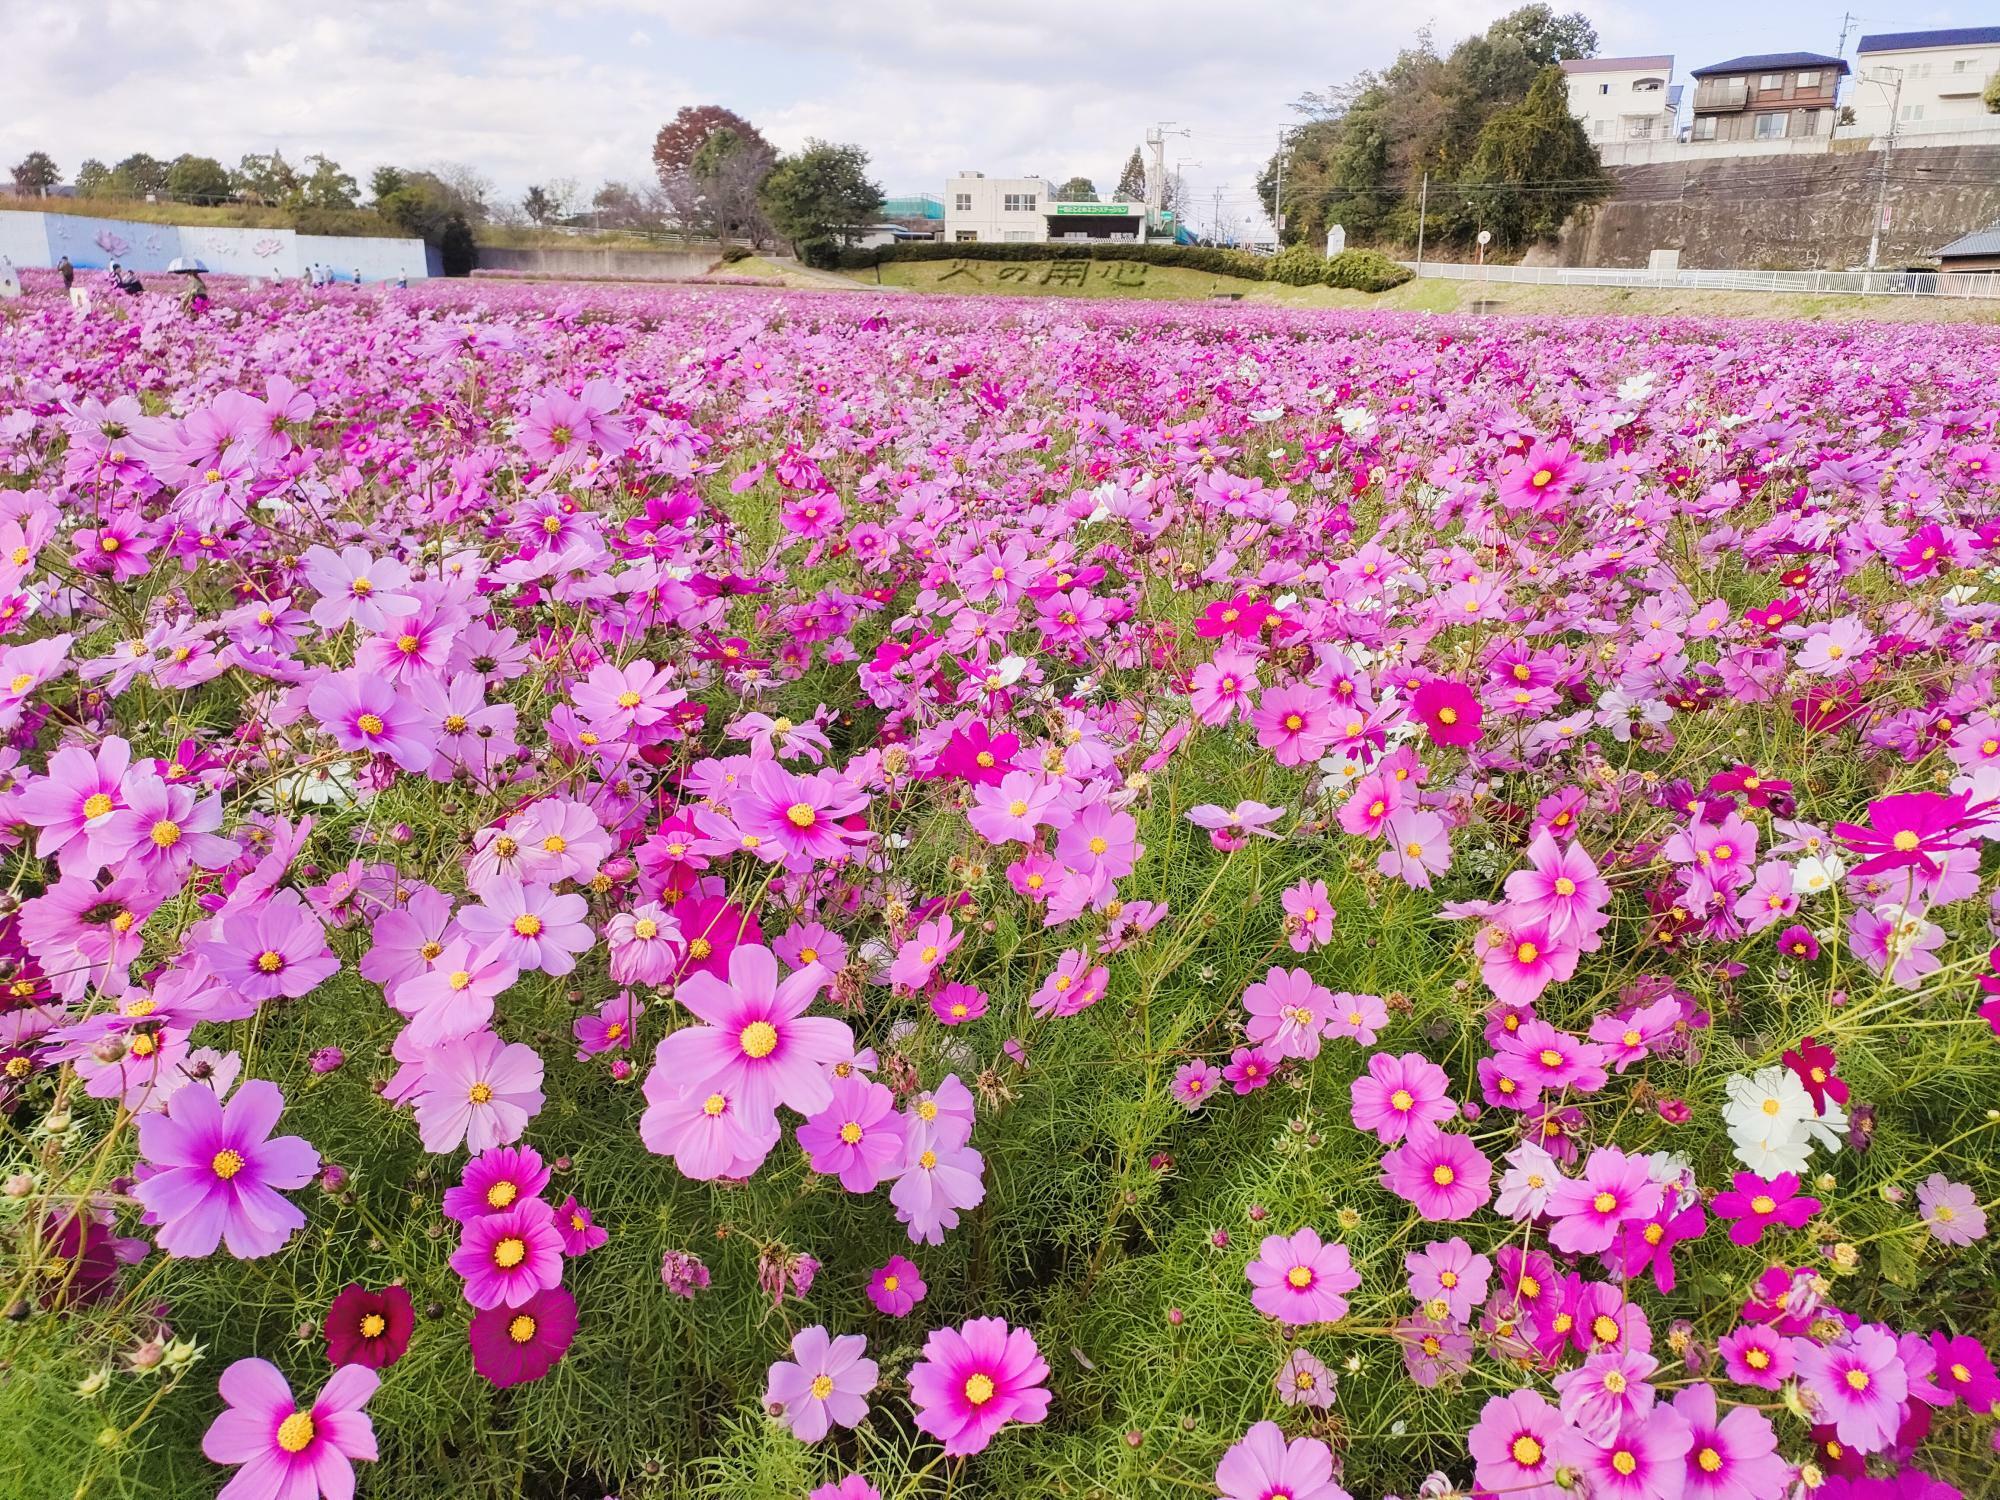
<point>851,1133</point>
<point>528,924</point>
<point>1401,1101</point>
<point>1443,1176</point>
<point>270,961</point>
<point>501,1194</point>
<point>480,1093</point>
<point>1604,1202</point>
<point>460,979</point>
<point>1624,1462</point>
<point>701,947</point>
<point>407,644</point>
<point>166,834</point>
<point>1527,953</point>
<point>1565,886</point>
<point>96,805</point>
<point>295,1433</point>
<point>1527,1452</point>
<point>1857,1380</point>
<point>979,1389</point>
<point>1763,1203</point>
<point>1605,1330</point>
<point>928,1161</point>
<point>645,927</point>
<point>521,1329</point>
<point>1300,1277</point>
<point>822,1387</point>
<point>758,1039</point>
<point>628,700</point>
<point>1709,1460</point>
<point>373,1325</point>
<point>369,723</point>
<point>714,1105</point>
<point>510,1252</point>
<point>1904,841</point>
<point>226,1164</point>
<point>801,815</point>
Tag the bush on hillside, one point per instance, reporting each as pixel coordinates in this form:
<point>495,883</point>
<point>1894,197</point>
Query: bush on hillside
<point>1239,263</point>
<point>1299,265</point>
<point>1365,271</point>
<point>734,253</point>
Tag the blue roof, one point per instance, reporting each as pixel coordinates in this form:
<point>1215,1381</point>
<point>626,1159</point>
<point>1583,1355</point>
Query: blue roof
<point>1980,242</point>
<point>1773,62</point>
<point>1909,41</point>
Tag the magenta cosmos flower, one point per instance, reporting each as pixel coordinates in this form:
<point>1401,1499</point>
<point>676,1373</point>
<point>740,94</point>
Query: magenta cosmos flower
<point>514,1345</point>
<point>507,1257</point>
<point>368,713</point>
<point>1263,1466</point>
<point>1732,1457</point>
<point>1445,1176</point>
<point>823,1385</point>
<point>367,1327</point>
<point>975,1379</point>
<point>1299,1279</point>
<point>858,1137</point>
<point>494,1181</point>
<point>1752,1205</point>
<point>1448,711</point>
<point>288,1451</point>
<point>897,1287</point>
<point>758,1045</point>
<point>1645,1459</point>
<point>216,1173</point>
<point>1400,1095</point>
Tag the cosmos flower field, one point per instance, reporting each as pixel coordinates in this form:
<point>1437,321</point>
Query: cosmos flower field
<point>722,894</point>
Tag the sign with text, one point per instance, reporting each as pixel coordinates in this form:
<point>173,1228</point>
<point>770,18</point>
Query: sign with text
<point>1122,210</point>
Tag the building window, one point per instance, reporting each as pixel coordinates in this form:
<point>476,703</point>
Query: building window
<point>1019,203</point>
<point>1018,236</point>
<point>965,203</point>
<point>1771,127</point>
<point>1771,81</point>
<point>1597,130</point>
<point>1639,130</point>
<point>1808,80</point>
<point>1704,127</point>
<point>1604,88</point>
<point>965,234</point>
<point>1913,111</point>
<point>1963,65</point>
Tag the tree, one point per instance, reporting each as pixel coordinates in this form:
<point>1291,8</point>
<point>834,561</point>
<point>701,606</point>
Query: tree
<point>264,179</point>
<point>138,175</point>
<point>326,186</point>
<point>35,174</point>
<point>1991,98</point>
<point>537,205</point>
<point>383,181</point>
<point>821,195</point>
<point>93,179</point>
<point>197,179</point>
<point>1521,151</point>
<point>678,141</point>
<point>1077,190</point>
<point>1132,181</point>
<point>619,205</point>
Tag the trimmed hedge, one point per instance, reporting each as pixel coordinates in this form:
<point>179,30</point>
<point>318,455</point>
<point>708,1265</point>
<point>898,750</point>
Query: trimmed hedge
<point>1297,265</point>
<point>1238,263</point>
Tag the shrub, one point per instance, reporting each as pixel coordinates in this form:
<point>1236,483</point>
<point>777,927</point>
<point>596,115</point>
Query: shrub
<point>1299,265</point>
<point>1219,262</point>
<point>733,253</point>
<point>1365,271</point>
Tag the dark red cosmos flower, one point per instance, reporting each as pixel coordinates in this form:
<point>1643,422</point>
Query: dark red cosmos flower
<point>1449,712</point>
<point>365,1327</point>
<point>1775,615</point>
<point>1813,1062</point>
<point>1797,942</point>
<point>978,755</point>
<point>1757,789</point>
<point>514,1345</point>
<point>1828,706</point>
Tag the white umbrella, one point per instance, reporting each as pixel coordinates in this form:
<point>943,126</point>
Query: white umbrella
<point>184,266</point>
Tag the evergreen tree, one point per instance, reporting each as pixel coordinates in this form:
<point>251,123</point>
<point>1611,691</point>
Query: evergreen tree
<point>1132,181</point>
<point>1533,165</point>
<point>820,196</point>
<point>35,173</point>
<point>1077,190</point>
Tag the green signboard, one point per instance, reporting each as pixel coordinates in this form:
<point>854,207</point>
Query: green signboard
<point>1122,210</point>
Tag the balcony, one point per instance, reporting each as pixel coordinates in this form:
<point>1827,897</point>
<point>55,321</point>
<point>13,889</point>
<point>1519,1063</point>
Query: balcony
<point>1722,93</point>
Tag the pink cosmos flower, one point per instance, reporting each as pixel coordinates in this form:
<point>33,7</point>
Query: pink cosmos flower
<point>580,1233</point>
<point>1100,842</point>
<point>1399,1096</point>
<point>1448,711</point>
<point>1445,1176</point>
<point>1857,1384</point>
<point>1951,1209</point>
<point>956,1004</point>
<point>1614,1188</point>
<point>1011,811</point>
<point>1302,1380</point>
<point>858,1137</point>
<point>1645,1459</point>
<point>1521,959</point>
<point>522,1343</point>
<point>1249,1069</point>
<point>1310,915</point>
<point>706,1129</point>
<point>939,1179</point>
<point>1298,1279</point>
<point>212,1172</point>
<point>823,1385</point>
<point>455,998</point>
<point>1513,1447</point>
<point>918,959</point>
<point>897,1287</point>
<point>610,1028</point>
<point>1561,889</point>
<point>529,926</point>
<point>1293,722</point>
<point>1609,1390</point>
<point>850,1487</point>
<point>355,586</point>
<point>288,1451</point>
<point>507,1257</point>
<point>802,819</point>
<point>975,1379</point>
<point>1730,1457</point>
<point>1074,985</point>
<point>367,713</point>
<point>274,947</point>
<point>494,1181</point>
<point>1756,1355</point>
<point>1288,1013</point>
<point>78,797</point>
<point>1194,1082</point>
<point>756,1043</point>
<point>629,702</point>
<point>646,945</point>
<point>1263,1465</point>
<point>478,1091</point>
<point>1449,1271</point>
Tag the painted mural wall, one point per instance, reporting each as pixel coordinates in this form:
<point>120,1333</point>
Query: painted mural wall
<point>40,240</point>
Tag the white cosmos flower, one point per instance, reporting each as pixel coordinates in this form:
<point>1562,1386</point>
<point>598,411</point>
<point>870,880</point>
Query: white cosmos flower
<point>1816,873</point>
<point>1767,1106</point>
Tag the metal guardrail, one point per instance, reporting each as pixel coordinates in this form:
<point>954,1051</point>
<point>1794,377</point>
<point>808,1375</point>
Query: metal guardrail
<point>1976,284</point>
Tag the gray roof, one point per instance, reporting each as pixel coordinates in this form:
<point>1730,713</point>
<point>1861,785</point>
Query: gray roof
<point>1980,242</point>
<point>1661,64</point>
<point>1910,41</point>
<point>1773,62</point>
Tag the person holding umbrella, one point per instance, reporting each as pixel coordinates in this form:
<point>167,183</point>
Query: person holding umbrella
<point>194,291</point>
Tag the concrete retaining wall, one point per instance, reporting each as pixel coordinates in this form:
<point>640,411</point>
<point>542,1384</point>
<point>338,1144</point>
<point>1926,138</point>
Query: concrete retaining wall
<point>1787,212</point>
<point>609,265</point>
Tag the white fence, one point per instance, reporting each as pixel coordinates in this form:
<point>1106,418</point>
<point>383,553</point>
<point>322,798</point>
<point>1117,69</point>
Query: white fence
<point>1984,284</point>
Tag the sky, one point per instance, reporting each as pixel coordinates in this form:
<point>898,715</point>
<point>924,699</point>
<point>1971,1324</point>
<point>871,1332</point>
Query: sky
<point>529,90</point>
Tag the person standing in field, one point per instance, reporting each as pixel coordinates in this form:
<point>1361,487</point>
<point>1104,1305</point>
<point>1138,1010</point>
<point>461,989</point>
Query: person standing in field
<point>68,273</point>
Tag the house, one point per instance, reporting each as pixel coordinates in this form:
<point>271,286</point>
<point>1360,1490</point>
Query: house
<point>1024,210</point>
<point>1623,98</point>
<point>1943,75</point>
<point>1978,251</point>
<point>1772,96</point>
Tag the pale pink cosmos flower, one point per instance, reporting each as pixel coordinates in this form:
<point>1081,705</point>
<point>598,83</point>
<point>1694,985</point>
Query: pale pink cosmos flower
<point>478,1092</point>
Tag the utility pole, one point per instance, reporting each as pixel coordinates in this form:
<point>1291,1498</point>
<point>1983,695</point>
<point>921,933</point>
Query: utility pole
<point>1156,179</point>
<point>1423,204</point>
<point>1217,219</point>
<point>1882,167</point>
<point>1847,20</point>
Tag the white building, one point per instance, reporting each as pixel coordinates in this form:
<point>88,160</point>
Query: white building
<point>1024,210</point>
<point>1943,75</point>
<point>1623,98</point>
